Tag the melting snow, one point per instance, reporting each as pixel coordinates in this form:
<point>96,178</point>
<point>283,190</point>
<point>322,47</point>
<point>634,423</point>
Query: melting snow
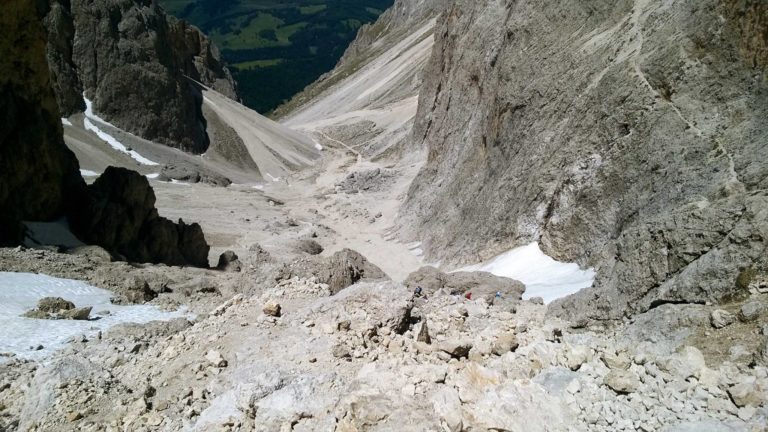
<point>19,292</point>
<point>90,116</point>
<point>88,173</point>
<point>543,276</point>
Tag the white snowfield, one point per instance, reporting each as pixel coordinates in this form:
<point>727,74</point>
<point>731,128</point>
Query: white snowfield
<point>19,292</point>
<point>276,149</point>
<point>543,276</point>
<point>90,121</point>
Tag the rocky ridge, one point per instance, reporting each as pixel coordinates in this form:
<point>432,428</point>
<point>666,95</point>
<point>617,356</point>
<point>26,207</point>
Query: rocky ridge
<point>620,136</point>
<point>137,65</point>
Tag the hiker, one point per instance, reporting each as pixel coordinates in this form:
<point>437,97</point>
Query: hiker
<point>468,296</point>
<point>417,291</point>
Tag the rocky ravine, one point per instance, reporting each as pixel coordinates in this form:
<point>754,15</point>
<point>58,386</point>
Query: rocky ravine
<point>40,180</point>
<point>133,61</point>
<point>623,136</point>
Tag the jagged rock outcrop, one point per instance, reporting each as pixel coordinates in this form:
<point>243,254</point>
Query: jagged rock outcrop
<point>133,61</point>
<point>623,136</point>
<point>39,176</point>
<point>120,215</point>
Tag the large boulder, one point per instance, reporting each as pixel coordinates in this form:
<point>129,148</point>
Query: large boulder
<point>339,271</point>
<point>120,215</point>
<point>480,284</point>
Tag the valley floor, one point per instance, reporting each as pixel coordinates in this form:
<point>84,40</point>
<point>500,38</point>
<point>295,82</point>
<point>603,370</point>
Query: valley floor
<point>373,356</point>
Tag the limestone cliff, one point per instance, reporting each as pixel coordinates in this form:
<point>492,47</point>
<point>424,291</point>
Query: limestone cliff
<point>38,174</point>
<point>133,61</point>
<point>629,136</point>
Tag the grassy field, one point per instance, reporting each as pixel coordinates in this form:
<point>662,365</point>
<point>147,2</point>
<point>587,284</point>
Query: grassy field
<point>277,47</point>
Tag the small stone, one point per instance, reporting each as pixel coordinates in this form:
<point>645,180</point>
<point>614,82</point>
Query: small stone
<point>622,381</point>
<point>617,361</point>
<point>576,355</point>
<point>74,416</point>
<point>340,351</point>
<point>215,358</point>
<point>456,349</point>
<point>745,393</point>
<point>720,318</point>
<point>344,325</point>
<point>272,308</point>
<point>537,300</point>
<point>750,311</point>
<point>505,343</point>
<point>424,334</point>
<point>747,412</point>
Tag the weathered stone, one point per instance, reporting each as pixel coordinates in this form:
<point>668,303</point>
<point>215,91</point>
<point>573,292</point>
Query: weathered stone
<point>424,334</point>
<point>622,381</point>
<point>215,358</point>
<point>272,308</point>
<point>505,343</point>
<point>720,318</point>
<point>121,216</point>
<point>229,261</point>
<point>750,311</point>
<point>575,356</point>
<point>456,348</point>
<point>746,394</point>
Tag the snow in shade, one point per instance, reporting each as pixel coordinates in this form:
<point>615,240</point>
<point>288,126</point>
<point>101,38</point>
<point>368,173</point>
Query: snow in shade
<point>543,276</point>
<point>88,122</point>
<point>66,122</point>
<point>88,173</point>
<point>20,292</point>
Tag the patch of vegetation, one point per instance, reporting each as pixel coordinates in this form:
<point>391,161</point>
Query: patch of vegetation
<point>278,47</point>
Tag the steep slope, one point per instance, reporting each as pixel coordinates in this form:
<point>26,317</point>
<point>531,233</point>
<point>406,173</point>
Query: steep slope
<point>38,175</point>
<point>623,136</point>
<point>369,100</point>
<point>132,61</point>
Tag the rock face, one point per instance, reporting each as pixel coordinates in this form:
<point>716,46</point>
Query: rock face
<point>589,126</point>
<point>120,215</point>
<point>133,61</point>
<point>38,175</point>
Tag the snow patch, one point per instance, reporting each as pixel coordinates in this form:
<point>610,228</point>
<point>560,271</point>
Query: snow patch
<point>20,292</point>
<point>66,122</point>
<point>90,117</point>
<point>273,178</point>
<point>88,173</point>
<point>153,175</point>
<point>542,275</point>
